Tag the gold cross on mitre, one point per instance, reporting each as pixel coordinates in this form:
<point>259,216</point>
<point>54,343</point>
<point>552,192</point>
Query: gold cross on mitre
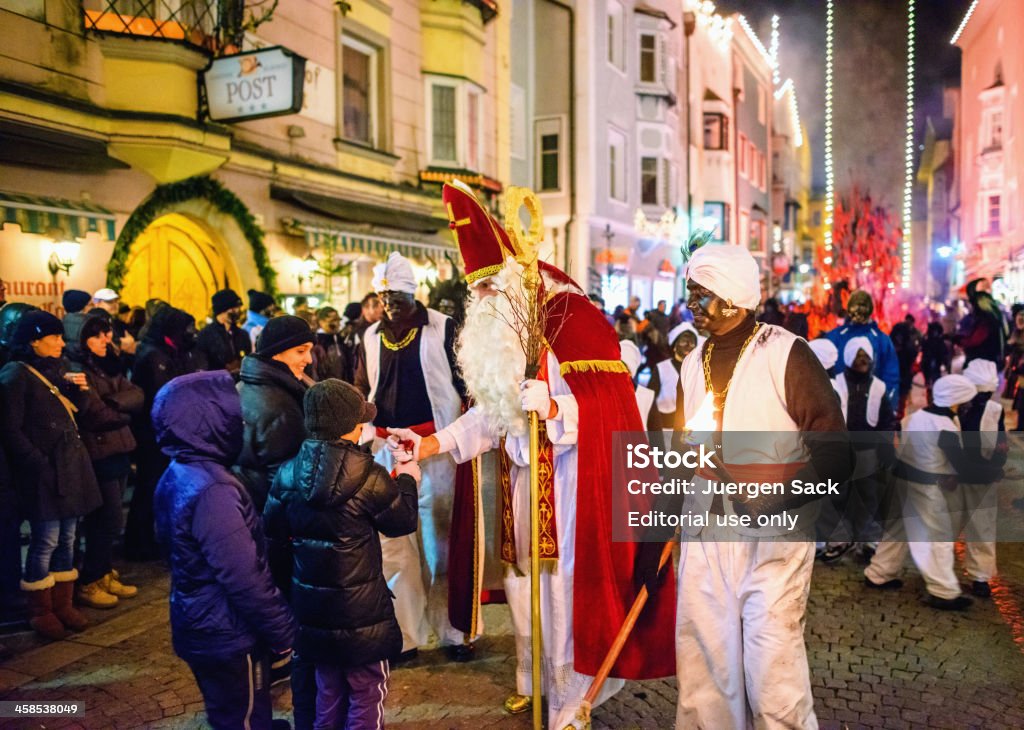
<point>455,223</point>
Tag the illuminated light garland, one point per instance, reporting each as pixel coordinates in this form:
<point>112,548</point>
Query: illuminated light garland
<point>719,29</point>
<point>774,49</point>
<point>757,41</point>
<point>908,182</point>
<point>794,111</point>
<point>829,177</point>
<point>963,23</point>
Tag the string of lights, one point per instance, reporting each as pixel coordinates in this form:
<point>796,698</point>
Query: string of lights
<point>908,181</point>
<point>774,50</point>
<point>829,177</point>
<point>963,23</point>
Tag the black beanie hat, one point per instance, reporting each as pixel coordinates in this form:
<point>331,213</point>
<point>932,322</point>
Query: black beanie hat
<point>283,333</point>
<point>224,300</point>
<point>334,408</point>
<point>353,310</point>
<point>258,301</point>
<point>74,300</point>
<point>35,325</point>
<point>94,324</point>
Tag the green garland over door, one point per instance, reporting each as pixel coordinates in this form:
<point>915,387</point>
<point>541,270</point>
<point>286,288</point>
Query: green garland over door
<point>163,200</point>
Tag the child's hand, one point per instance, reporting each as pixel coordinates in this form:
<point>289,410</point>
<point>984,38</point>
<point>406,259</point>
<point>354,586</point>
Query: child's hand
<point>412,468</point>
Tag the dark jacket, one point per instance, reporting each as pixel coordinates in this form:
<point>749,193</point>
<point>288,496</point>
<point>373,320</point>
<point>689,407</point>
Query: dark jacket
<point>223,601</point>
<point>221,348</point>
<point>110,404</point>
<point>51,467</point>
<point>331,358</point>
<point>274,426</point>
<point>323,516</point>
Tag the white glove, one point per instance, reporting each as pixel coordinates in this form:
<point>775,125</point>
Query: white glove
<point>534,396</point>
<point>404,444</point>
<point>412,468</point>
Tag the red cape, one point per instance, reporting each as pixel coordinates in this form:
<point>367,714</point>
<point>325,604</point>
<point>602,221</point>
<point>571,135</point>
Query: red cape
<point>603,590</point>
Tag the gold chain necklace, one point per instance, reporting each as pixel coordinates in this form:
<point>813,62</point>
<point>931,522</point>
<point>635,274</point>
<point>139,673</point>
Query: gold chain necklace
<point>719,398</point>
<point>396,346</point>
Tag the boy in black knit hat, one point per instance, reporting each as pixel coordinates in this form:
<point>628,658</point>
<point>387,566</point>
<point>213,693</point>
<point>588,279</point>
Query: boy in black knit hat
<point>323,515</point>
<point>223,342</point>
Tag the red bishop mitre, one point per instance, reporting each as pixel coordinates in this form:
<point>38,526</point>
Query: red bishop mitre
<point>482,241</point>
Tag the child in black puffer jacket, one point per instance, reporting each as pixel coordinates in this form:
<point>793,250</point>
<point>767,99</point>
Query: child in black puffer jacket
<point>323,515</point>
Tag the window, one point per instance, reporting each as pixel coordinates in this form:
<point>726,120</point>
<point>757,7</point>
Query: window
<point>816,218</point>
<point>648,58</point>
<point>762,105</point>
<point>742,150</point>
<point>993,214</point>
<point>616,165</point>
<point>549,144</point>
<point>649,180</point>
<point>454,123</point>
<point>758,235</point>
<point>716,131</point>
<point>359,97</point>
<point>472,130</point>
<point>615,36</point>
<point>443,127</point>
<point>995,137</point>
<point>716,217</point>
<point>744,228</point>
<point>764,173</point>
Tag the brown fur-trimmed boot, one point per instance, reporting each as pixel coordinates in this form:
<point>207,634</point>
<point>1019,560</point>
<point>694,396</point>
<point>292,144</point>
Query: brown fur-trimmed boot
<point>39,595</point>
<point>63,591</point>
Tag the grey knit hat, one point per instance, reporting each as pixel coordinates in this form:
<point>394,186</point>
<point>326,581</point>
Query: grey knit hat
<point>334,408</point>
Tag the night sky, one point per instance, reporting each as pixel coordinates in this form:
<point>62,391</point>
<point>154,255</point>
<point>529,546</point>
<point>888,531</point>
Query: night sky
<point>870,38</point>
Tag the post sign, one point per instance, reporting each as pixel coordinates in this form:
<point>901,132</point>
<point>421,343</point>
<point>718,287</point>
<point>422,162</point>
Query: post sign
<point>254,84</point>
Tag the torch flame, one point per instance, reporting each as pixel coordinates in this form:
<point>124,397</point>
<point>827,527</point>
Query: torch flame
<point>703,422</point>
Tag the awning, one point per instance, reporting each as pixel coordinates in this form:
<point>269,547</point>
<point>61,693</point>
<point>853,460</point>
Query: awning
<point>41,215</point>
<point>351,211</point>
<point>345,241</point>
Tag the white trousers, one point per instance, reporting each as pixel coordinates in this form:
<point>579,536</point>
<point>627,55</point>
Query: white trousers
<point>741,661</point>
<point>932,520</point>
<point>416,565</point>
<point>563,686</point>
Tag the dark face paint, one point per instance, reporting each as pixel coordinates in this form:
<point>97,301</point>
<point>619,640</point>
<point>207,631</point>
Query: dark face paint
<point>684,345</point>
<point>707,310</point>
<point>862,363</point>
<point>398,306</point>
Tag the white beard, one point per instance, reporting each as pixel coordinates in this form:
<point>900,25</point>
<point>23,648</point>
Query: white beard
<point>491,357</point>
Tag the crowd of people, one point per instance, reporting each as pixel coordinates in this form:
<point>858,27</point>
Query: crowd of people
<point>313,478</point>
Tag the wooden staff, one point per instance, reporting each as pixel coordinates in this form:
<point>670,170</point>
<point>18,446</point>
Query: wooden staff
<point>583,715</point>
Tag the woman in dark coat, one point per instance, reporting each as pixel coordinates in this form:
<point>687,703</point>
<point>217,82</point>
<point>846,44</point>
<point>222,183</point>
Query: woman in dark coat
<point>166,351</point>
<point>272,385</point>
<point>106,430</point>
<point>52,470</point>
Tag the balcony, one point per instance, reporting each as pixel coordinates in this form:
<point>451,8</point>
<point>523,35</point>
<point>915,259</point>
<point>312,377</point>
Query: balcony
<point>196,23</point>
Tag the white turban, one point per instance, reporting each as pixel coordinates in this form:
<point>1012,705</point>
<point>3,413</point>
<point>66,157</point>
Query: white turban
<point>853,346</point>
<point>983,374</point>
<point>679,329</point>
<point>728,271</point>
<point>951,390</point>
<point>395,274</point>
<point>630,354</point>
<point>825,350</point>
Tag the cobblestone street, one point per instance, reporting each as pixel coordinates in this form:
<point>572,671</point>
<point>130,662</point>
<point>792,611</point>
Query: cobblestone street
<point>878,660</point>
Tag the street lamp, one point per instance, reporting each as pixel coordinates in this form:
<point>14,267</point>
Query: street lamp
<point>63,252</point>
<point>307,269</point>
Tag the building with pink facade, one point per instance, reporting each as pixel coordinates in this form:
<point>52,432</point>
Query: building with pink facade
<point>991,149</point>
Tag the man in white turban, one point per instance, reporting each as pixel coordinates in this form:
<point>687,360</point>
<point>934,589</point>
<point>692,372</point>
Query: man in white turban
<point>406,366</point>
<point>932,462</point>
<point>743,590</point>
<point>973,506</point>
<point>632,356</point>
<point>682,340</point>
<point>826,353</point>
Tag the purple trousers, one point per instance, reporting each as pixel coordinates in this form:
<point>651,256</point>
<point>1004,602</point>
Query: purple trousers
<point>351,698</point>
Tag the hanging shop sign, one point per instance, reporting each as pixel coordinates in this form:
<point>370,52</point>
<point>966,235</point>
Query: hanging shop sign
<point>254,85</point>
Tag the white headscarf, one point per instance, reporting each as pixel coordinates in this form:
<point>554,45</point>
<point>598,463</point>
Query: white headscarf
<point>630,354</point>
<point>951,390</point>
<point>728,271</point>
<point>983,374</point>
<point>825,350</point>
<point>395,274</point>
<point>854,345</point>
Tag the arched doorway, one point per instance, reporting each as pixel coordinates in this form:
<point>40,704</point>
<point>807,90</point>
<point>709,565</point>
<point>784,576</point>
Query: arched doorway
<point>180,260</point>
